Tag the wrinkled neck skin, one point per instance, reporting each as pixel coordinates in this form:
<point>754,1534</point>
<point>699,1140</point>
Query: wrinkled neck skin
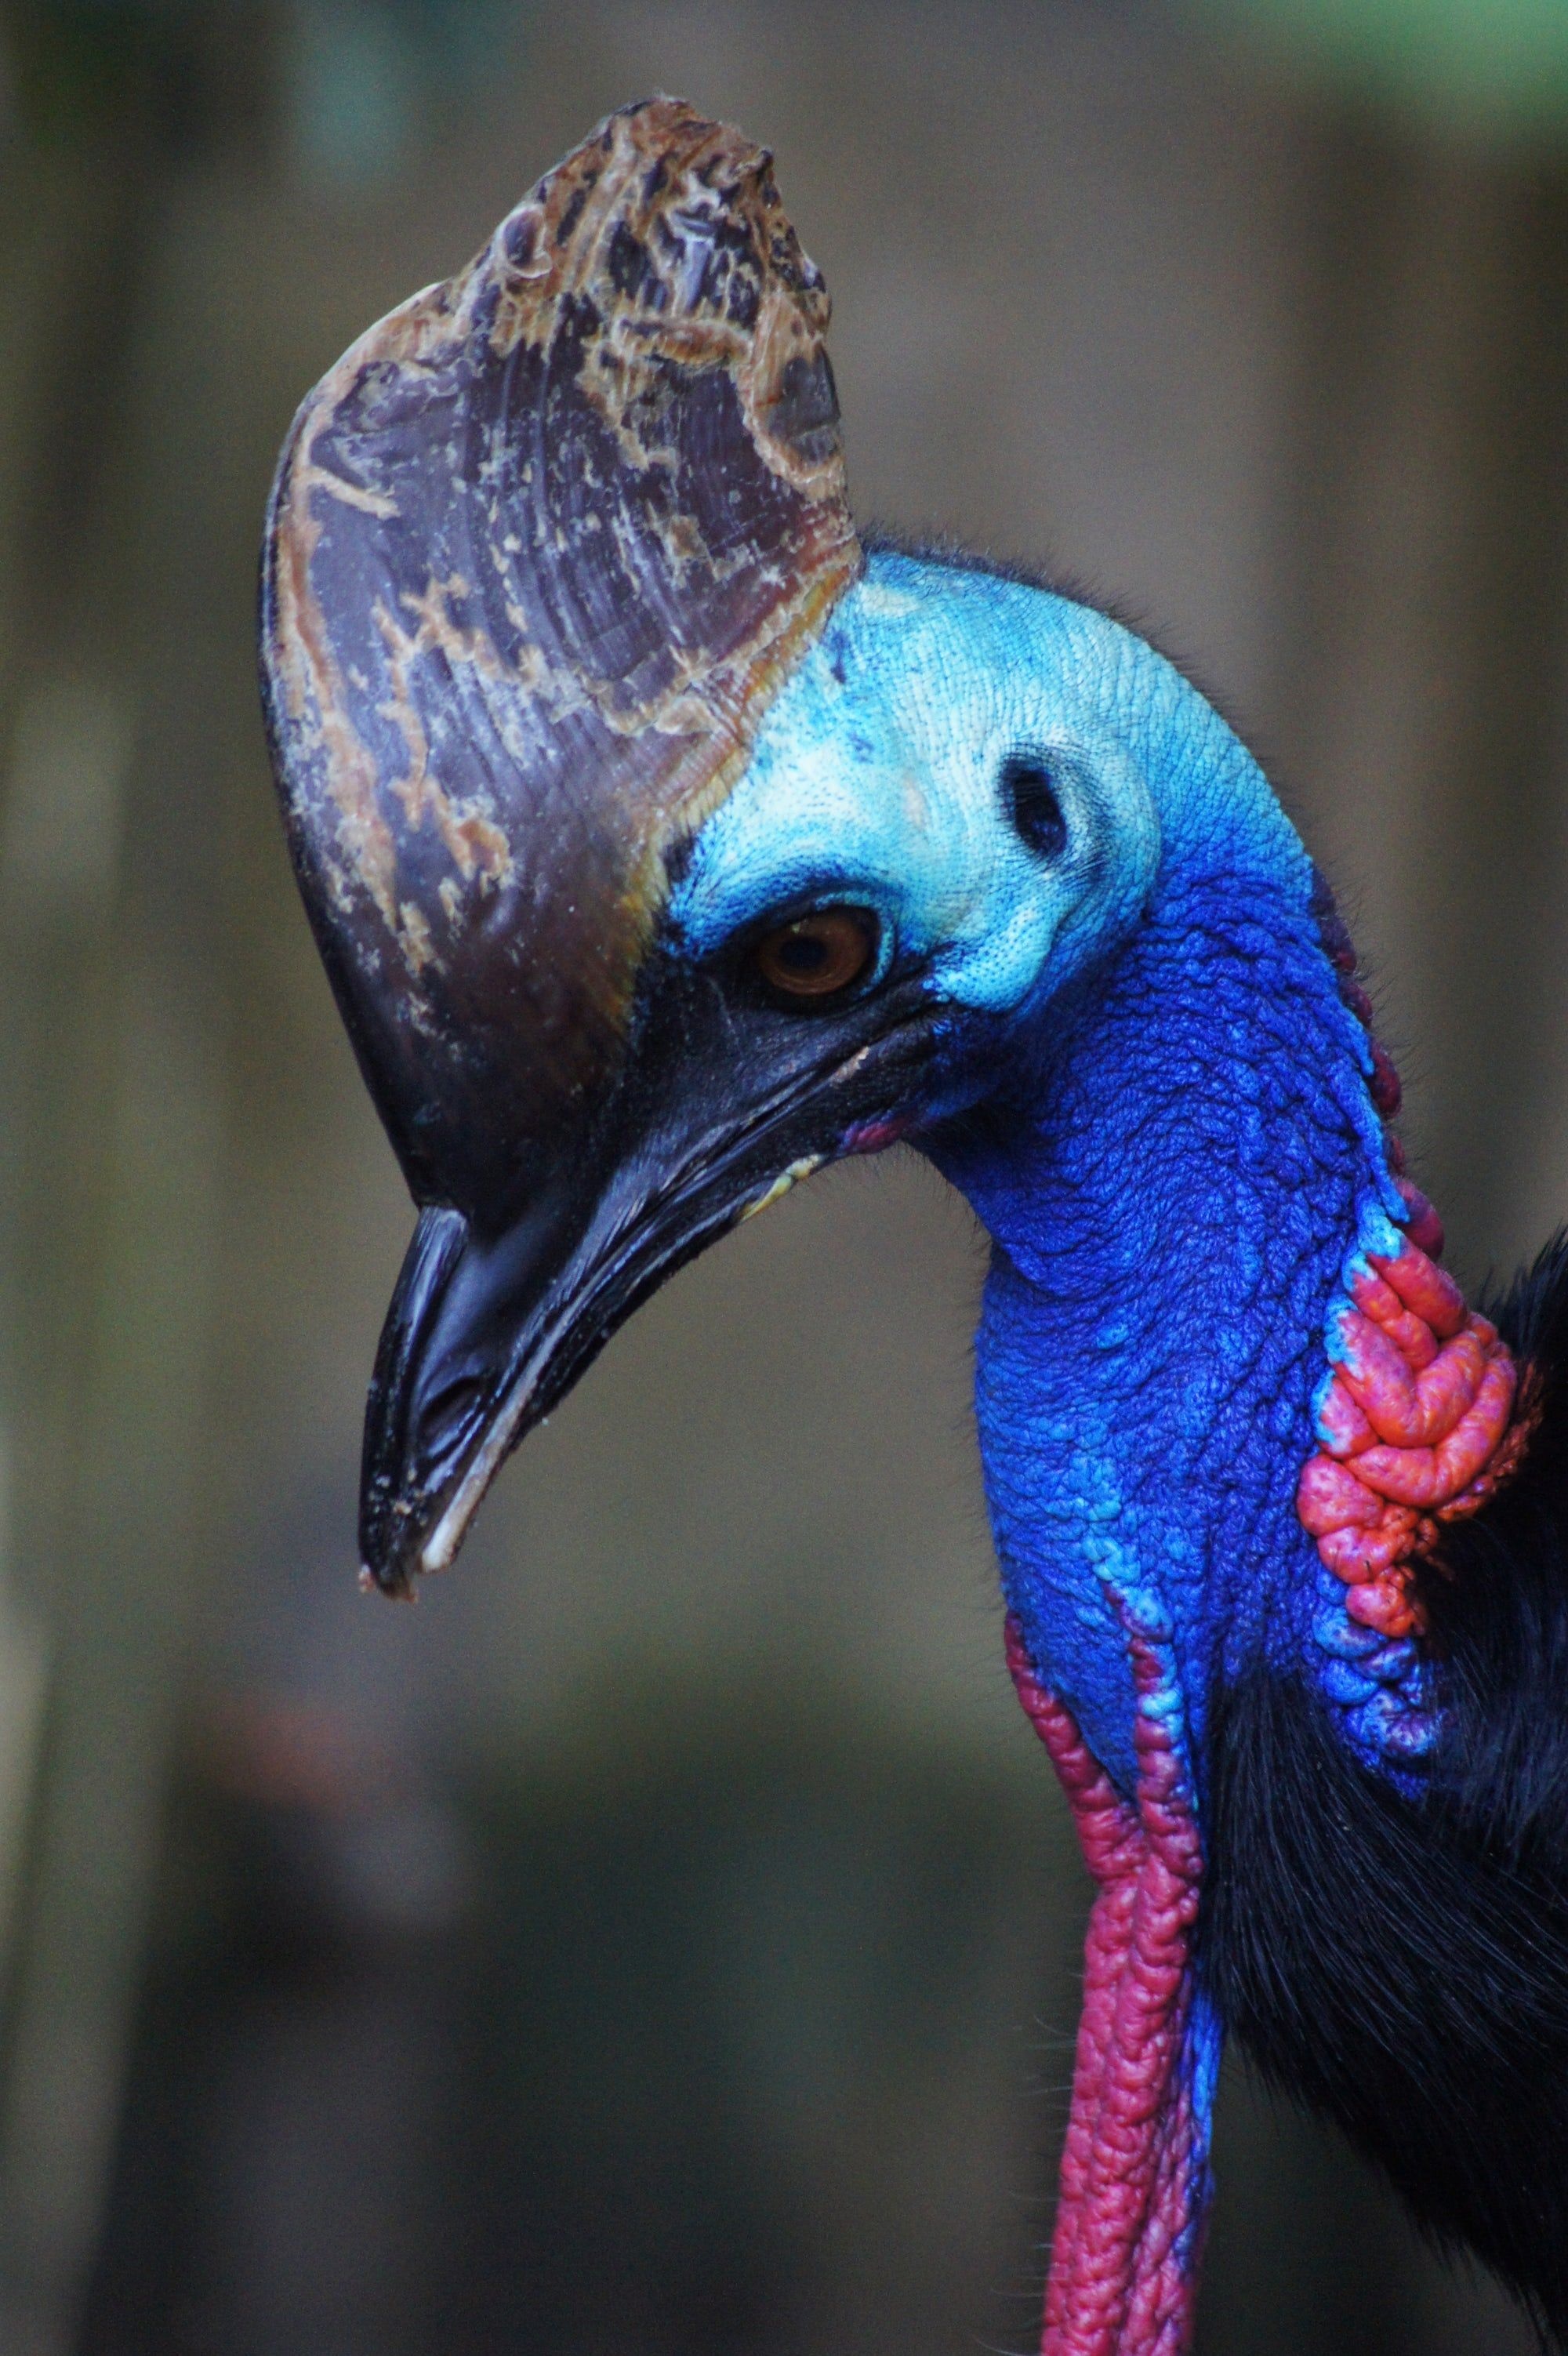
<point>1173,1179</point>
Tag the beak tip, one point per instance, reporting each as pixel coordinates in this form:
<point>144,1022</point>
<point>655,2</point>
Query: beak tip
<point>391,1581</point>
<point>395,1570</point>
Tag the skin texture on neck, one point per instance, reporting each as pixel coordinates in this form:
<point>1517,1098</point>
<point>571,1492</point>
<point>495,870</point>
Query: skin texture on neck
<point>1172,1192</point>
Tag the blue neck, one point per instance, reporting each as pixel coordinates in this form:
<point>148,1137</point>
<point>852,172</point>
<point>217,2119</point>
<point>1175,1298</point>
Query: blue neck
<point>1172,1192</point>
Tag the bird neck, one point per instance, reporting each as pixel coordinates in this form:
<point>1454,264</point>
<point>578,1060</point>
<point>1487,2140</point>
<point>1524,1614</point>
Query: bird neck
<point>1175,1188</point>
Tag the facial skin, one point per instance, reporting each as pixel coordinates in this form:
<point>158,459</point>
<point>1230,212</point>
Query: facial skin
<point>883,776</point>
<point>879,774</point>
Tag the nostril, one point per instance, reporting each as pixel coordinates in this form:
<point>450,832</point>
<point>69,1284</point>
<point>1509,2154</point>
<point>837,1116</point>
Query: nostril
<point>1030,800</point>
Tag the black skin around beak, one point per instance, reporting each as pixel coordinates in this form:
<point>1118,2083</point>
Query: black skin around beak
<point>722,1097</point>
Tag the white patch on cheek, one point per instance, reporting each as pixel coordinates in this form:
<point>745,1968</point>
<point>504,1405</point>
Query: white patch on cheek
<point>879,603</point>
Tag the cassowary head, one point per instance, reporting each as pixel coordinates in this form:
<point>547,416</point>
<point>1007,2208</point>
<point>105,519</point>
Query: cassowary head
<point>664,842</point>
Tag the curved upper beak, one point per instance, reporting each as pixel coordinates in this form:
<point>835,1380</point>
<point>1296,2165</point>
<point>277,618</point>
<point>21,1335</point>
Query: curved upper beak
<point>490,1326</point>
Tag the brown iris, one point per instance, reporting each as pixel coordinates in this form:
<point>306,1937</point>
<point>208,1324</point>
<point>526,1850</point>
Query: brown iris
<point>816,955</point>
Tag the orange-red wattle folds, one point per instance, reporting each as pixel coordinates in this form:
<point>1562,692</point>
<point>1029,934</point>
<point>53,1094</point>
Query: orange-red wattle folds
<point>1416,1418</point>
<point>1417,1427</point>
<point>1134,2172</point>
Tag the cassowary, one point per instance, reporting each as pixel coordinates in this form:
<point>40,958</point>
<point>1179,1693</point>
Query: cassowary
<point>665,840</point>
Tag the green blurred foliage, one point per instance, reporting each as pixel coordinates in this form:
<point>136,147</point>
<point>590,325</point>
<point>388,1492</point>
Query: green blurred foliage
<point>1477,65</point>
<point>187,74</point>
<point>348,85</point>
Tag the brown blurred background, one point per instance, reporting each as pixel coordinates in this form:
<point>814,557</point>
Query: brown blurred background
<point>662,1941</point>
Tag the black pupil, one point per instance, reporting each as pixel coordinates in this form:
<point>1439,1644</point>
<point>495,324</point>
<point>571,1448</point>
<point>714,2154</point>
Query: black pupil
<point>1034,808</point>
<point>802,953</point>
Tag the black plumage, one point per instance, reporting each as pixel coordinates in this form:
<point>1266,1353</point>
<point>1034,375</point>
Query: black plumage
<point>1399,1964</point>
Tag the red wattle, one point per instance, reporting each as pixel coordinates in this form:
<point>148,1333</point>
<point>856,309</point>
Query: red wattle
<point>1123,2277</point>
<point>1418,1427</point>
<point>1421,1419</point>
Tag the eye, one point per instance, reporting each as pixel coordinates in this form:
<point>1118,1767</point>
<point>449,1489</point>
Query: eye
<point>1031,803</point>
<point>817,955</point>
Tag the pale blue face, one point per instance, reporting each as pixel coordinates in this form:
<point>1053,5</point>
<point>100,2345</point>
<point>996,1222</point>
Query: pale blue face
<point>879,779</point>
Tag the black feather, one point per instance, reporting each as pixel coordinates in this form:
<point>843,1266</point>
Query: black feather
<point>1400,1965</point>
<point>1499,1615</point>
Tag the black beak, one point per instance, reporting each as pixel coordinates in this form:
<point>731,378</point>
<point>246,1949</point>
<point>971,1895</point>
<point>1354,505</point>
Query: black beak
<point>722,1108</point>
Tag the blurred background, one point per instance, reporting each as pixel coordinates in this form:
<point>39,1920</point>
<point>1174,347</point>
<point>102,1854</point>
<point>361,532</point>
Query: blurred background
<point>663,1940</point>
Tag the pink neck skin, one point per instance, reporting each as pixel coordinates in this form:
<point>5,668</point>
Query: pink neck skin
<point>1134,2171</point>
